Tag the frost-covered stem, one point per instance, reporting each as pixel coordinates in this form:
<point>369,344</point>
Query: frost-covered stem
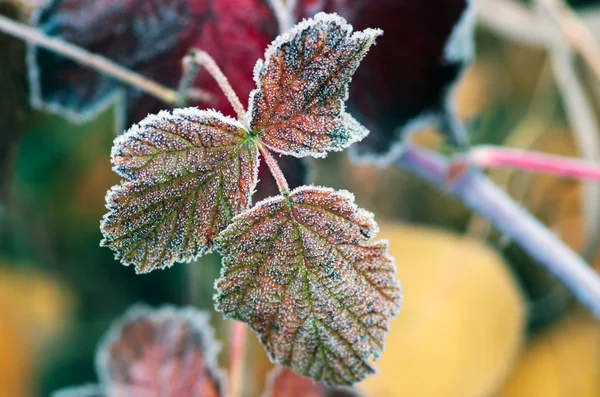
<point>237,348</point>
<point>275,170</point>
<point>203,59</point>
<point>482,196</point>
<point>190,70</point>
<point>96,62</point>
<point>495,156</point>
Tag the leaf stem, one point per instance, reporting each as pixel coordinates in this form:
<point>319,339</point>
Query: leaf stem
<point>275,170</point>
<point>96,62</point>
<point>495,156</point>
<point>202,58</point>
<point>237,349</point>
<point>482,196</point>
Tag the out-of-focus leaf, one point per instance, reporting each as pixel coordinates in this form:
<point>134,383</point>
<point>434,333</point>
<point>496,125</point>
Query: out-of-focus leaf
<point>406,75</point>
<point>149,37</point>
<point>302,271</point>
<point>154,353</point>
<point>298,107</point>
<point>462,322</point>
<point>563,362</point>
<point>189,173</point>
<point>283,382</point>
<point>160,352</point>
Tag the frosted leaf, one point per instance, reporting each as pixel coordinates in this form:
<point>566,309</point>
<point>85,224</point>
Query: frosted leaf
<point>189,173</point>
<point>163,352</point>
<point>302,272</point>
<point>147,36</point>
<point>283,382</point>
<point>298,107</point>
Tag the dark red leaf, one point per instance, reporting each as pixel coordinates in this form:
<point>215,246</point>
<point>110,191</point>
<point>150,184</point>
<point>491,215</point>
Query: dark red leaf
<point>149,37</point>
<point>405,74</point>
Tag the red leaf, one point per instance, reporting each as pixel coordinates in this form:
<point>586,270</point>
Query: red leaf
<point>303,272</point>
<point>405,74</point>
<point>298,106</point>
<point>149,37</point>
<point>164,352</point>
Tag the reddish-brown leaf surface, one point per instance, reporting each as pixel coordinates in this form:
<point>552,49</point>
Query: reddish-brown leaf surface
<point>188,174</point>
<point>298,107</point>
<point>302,271</point>
<point>156,353</point>
<point>283,382</point>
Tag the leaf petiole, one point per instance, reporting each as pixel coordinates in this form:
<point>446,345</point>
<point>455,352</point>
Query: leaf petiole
<point>203,59</point>
<point>275,170</point>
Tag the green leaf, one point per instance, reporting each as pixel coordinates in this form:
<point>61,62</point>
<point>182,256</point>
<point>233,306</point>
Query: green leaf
<point>302,272</point>
<point>189,173</point>
<point>298,107</point>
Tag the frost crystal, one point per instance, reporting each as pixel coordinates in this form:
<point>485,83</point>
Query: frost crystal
<point>298,107</point>
<point>302,271</point>
<point>189,174</point>
<point>164,352</point>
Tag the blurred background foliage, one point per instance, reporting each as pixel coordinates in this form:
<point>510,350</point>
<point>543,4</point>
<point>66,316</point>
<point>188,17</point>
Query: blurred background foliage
<point>480,317</point>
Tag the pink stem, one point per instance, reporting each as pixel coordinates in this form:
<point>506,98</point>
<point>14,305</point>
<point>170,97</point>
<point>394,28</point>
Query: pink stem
<point>236,357</point>
<point>493,156</point>
<point>275,170</point>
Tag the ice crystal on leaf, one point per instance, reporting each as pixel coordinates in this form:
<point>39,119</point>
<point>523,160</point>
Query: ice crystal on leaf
<point>298,107</point>
<point>302,271</point>
<point>188,174</point>
<point>155,353</point>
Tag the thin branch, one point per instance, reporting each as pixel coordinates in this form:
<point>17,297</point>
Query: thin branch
<point>283,14</point>
<point>96,62</point>
<point>203,59</point>
<point>497,156</point>
<point>237,348</point>
<point>580,112</point>
<point>275,170</point>
<point>482,196</point>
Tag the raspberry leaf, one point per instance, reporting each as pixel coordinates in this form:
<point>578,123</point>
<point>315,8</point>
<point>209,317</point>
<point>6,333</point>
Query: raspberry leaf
<point>298,107</point>
<point>158,353</point>
<point>301,270</point>
<point>188,174</point>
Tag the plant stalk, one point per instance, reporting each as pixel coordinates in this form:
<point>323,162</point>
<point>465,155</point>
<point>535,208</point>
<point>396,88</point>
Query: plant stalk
<point>237,349</point>
<point>485,198</point>
<point>282,184</point>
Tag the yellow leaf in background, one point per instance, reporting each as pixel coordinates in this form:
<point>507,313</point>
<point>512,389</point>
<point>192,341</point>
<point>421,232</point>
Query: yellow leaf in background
<point>33,309</point>
<point>563,362</point>
<point>462,321</point>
